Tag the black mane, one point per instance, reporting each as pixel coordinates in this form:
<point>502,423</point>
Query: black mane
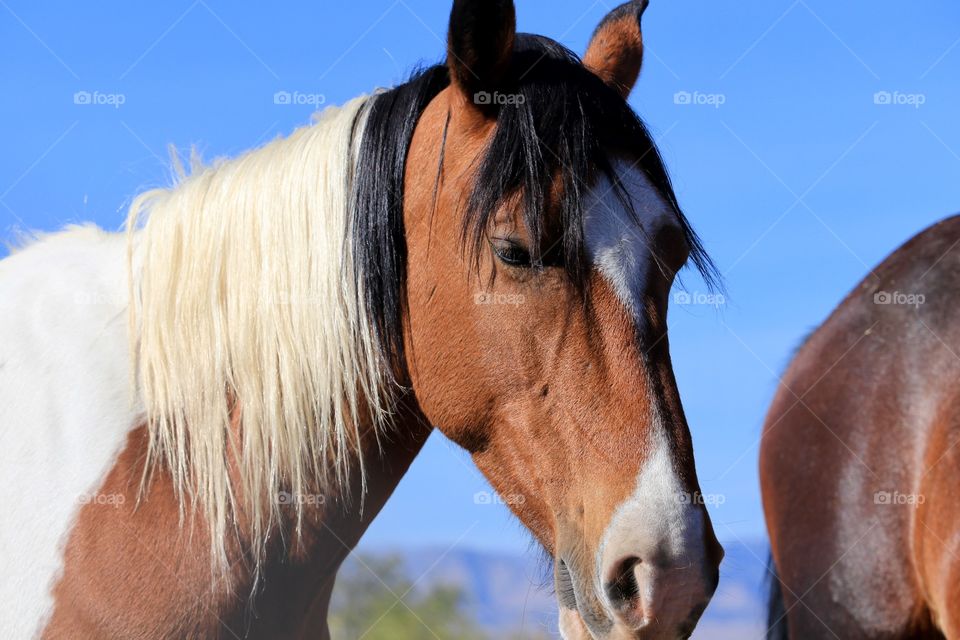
<point>567,124</point>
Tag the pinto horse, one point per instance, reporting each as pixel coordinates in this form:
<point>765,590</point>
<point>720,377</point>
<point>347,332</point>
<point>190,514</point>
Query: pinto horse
<point>200,418</point>
<point>859,461</point>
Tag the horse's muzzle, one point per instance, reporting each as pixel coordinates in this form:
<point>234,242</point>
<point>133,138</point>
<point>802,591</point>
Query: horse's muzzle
<point>637,588</point>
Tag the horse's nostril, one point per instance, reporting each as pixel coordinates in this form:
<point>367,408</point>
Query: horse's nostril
<point>622,587</point>
<point>656,594</point>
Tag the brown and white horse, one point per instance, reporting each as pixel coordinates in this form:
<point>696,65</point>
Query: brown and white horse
<point>487,248</point>
<point>859,461</point>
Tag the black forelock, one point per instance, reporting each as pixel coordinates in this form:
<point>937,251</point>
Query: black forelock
<point>560,123</point>
<point>567,124</point>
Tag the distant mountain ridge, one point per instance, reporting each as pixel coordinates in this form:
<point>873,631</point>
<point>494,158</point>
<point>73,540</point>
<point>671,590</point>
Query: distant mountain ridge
<point>509,594</point>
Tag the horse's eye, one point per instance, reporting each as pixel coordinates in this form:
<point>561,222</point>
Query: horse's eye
<point>511,253</point>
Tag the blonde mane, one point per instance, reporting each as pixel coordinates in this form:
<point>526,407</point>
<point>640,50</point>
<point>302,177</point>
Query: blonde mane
<point>255,362</point>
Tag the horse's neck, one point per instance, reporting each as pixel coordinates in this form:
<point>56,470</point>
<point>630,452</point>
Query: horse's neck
<point>303,571</point>
<point>386,460</point>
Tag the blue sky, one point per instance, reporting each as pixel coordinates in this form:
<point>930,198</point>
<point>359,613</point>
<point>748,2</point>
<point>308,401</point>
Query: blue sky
<point>797,174</point>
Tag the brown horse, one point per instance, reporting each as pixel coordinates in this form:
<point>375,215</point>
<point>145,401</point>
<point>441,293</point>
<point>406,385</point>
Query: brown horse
<point>859,460</point>
<point>487,248</point>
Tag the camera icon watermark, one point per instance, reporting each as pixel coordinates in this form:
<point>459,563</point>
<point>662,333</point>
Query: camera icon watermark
<point>288,499</point>
<point>484,98</point>
<point>115,500</point>
<point>299,98</point>
<point>686,298</point>
<point>488,497</point>
<point>699,99</point>
<point>702,499</point>
<point>899,298</point>
<point>99,99</point>
<point>100,298</point>
<point>899,99</point>
<point>510,299</point>
<point>895,498</point>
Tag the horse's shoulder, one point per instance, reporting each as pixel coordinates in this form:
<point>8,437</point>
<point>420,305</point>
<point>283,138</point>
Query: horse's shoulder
<point>62,277</point>
<point>35,248</point>
<point>65,400</point>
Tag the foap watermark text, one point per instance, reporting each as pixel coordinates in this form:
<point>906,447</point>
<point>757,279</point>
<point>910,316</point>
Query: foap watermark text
<point>699,99</point>
<point>99,99</point>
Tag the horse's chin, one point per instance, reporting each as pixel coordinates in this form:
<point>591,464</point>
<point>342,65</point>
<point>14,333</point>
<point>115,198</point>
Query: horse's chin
<point>572,626</point>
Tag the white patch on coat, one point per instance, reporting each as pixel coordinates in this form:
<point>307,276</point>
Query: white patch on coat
<point>658,523</point>
<point>662,525</point>
<point>66,404</point>
<point>618,243</point>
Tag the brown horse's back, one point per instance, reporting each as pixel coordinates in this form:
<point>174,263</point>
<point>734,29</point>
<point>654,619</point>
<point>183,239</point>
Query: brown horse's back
<point>857,460</point>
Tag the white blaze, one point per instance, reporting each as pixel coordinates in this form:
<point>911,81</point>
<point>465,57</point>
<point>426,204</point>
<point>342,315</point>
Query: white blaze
<point>618,242</point>
<point>658,523</point>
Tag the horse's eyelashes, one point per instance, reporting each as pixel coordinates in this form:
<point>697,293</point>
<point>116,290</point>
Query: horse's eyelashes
<point>511,253</point>
<point>514,254</point>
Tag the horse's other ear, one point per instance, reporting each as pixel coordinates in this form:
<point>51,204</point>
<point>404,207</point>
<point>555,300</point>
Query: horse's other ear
<point>615,52</point>
<point>480,46</point>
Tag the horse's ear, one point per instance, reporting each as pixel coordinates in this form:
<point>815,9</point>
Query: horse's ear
<point>480,46</point>
<point>615,52</point>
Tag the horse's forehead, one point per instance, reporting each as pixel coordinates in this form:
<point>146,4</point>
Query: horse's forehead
<point>618,241</point>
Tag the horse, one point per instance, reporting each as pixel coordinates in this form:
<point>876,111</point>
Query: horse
<point>202,415</point>
<point>859,458</point>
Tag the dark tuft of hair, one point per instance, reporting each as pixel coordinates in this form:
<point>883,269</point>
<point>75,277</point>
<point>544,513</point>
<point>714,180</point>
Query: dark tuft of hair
<point>380,250</point>
<point>776,610</point>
